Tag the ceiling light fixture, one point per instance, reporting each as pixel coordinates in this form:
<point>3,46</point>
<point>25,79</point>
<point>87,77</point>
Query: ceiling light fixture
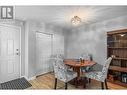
<point>76,20</point>
<point>122,35</point>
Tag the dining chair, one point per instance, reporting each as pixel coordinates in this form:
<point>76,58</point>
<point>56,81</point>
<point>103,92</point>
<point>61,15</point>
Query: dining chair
<point>100,75</point>
<point>62,73</point>
<point>58,56</point>
<point>55,56</point>
<point>86,56</point>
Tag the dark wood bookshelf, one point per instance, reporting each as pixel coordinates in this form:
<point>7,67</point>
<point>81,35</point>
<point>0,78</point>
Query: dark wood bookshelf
<point>117,68</point>
<point>117,32</point>
<point>117,46</point>
<point>118,83</point>
<point>120,58</point>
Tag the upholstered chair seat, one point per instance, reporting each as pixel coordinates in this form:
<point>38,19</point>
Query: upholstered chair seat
<point>71,75</point>
<point>95,75</point>
<point>62,73</point>
<point>100,75</point>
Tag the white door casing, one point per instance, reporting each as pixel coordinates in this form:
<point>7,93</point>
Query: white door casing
<point>9,53</point>
<point>43,53</point>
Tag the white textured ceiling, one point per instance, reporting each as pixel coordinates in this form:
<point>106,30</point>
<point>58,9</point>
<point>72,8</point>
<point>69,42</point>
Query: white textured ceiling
<point>61,15</point>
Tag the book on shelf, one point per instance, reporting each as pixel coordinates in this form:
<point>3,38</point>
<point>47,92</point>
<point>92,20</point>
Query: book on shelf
<point>124,78</point>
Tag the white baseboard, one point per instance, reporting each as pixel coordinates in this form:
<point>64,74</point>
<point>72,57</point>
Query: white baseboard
<point>34,77</point>
<point>24,77</point>
<point>31,78</point>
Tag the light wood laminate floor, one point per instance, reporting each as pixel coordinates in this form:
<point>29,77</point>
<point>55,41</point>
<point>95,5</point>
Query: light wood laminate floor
<point>46,81</point>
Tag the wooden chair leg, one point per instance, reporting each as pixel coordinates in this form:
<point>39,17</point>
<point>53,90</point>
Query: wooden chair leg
<point>85,81</point>
<point>102,85</point>
<point>89,80</point>
<point>66,85</point>
<point>76,82</point>
<point>106,84</point>
<point>55,83</point>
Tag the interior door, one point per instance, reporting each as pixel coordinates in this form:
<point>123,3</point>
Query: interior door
<point>9,53</point>
<point>43,53</point>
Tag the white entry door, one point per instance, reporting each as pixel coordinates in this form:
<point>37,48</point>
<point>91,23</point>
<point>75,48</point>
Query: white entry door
<point>43,53</point>
<point>9,53</point>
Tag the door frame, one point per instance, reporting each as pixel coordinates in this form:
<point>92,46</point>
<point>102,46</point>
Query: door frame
<point>20,61</point>
<point>51,42</point>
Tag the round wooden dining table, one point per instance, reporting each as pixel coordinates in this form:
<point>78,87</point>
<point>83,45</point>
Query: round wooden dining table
<point>76,64</point>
